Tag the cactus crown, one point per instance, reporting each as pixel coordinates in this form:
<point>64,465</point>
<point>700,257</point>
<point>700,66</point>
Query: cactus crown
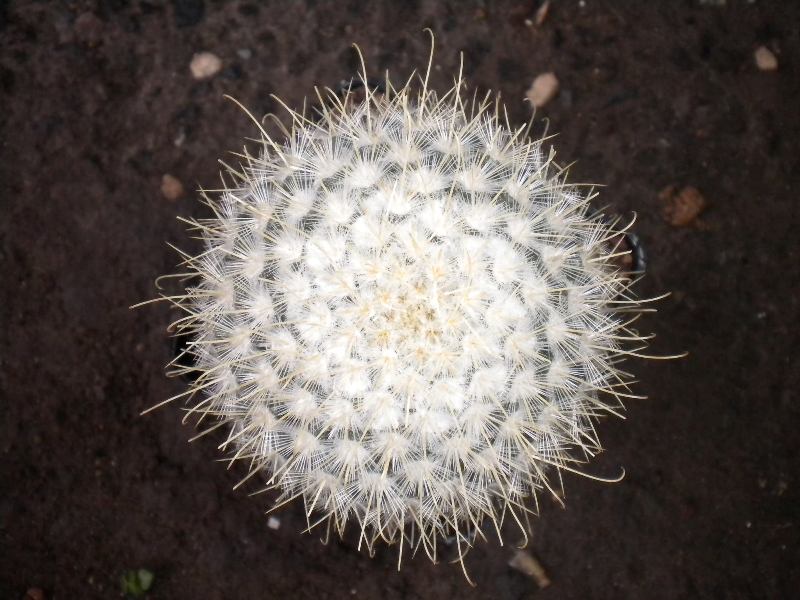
<point>406,316</point>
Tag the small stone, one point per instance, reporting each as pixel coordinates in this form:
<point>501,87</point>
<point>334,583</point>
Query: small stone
<point>244,53</point>
<point>681,208</point>
<point>526,563</point>
<point>205,65</point>
<point>543,89</point>
<point>765,59</point>
<point>34,594</point>
<point>274,523</point>
<point>171,187</point>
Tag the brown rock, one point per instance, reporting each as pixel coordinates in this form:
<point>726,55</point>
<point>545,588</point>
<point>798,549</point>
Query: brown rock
<point>681,208</point>
<point>171,187</point>
<point>34,594</point>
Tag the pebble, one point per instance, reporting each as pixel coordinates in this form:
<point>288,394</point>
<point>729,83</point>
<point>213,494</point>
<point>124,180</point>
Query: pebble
<point>171,187</point>
<point>765,59</point>
<point>526,563</point>
<point>205,65</point>
<point>273,523</point>
<point>681,208</point>
<point>34,594</point>
<point>180,138</point>
<point>543,89</point>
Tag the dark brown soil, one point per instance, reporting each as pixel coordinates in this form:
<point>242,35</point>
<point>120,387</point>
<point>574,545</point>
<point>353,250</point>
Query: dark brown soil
<point>98,103</point>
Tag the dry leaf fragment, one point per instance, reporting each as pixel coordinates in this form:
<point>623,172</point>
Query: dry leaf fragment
<point>541,13</point>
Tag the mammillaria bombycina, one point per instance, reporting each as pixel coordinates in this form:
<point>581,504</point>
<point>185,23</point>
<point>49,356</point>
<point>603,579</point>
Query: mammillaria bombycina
<point>406,316</point>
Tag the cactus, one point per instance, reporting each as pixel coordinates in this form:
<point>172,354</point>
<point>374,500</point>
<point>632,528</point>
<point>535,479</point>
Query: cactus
<point>407,317</point>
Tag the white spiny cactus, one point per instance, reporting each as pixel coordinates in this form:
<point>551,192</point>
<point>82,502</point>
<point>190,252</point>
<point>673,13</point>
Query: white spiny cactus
<point>406,317</point>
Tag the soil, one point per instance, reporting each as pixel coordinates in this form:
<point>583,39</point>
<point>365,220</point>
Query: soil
<point>98,104</point>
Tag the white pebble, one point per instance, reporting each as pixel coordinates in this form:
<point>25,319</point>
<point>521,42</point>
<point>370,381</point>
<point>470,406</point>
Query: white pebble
<point>543,89</point>
<point>205,65</point>
<point>765,59</point>
<point>274,523</point>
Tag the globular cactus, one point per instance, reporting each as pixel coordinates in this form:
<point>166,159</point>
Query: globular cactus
<point>406,316</point>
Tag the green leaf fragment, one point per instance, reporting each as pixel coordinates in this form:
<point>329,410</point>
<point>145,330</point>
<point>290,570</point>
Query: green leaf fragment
<point>136,583</point>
